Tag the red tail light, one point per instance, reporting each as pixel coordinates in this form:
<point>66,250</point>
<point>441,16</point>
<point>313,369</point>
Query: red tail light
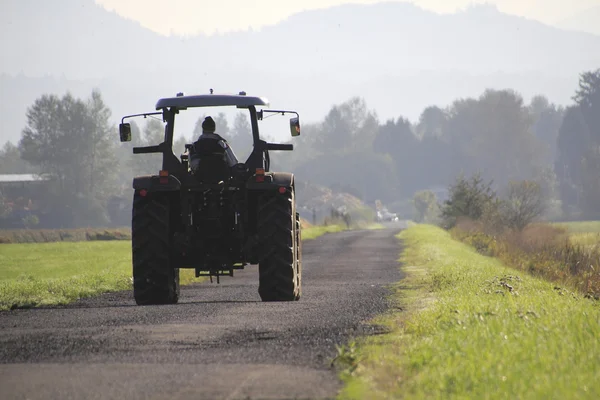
<point>163,177</point>
<point>260,174</point>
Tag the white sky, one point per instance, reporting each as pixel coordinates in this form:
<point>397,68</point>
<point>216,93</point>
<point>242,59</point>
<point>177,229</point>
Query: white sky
<point>209,16</point>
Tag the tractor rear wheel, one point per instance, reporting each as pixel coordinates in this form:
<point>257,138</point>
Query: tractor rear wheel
<point>278,266</point>
<point>155,281</point>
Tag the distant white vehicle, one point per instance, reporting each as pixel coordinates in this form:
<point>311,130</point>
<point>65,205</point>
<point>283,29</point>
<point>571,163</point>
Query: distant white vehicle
<point>385,216</point>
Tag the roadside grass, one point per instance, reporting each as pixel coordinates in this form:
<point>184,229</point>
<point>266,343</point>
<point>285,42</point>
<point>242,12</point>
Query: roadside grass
<point>315,231</point>
<point>59,273</point>
<point>473,328</point>
<point>38,274</point>
<point>545,250</point>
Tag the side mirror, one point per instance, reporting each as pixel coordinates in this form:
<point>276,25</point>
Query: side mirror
<point>125,132</point>
<point>295,126</point>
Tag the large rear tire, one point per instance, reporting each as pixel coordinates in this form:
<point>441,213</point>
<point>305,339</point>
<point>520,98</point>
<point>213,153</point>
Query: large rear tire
<point>155,281</point>
<point>278,267</point>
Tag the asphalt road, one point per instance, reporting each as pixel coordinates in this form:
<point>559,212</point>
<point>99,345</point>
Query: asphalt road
<point>219,342</point>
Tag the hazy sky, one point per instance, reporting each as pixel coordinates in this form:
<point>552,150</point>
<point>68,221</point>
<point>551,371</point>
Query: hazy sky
<point>208,16</point>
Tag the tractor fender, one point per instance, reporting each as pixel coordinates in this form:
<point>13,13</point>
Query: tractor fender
<point>273,181</point>
<point>283,179</point>
<point>153,183</point>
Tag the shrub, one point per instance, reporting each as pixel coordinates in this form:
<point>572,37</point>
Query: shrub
<point>523,204</point>
<point>467,198</point>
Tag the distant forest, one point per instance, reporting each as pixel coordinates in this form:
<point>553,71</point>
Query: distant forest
<point>71,142</point>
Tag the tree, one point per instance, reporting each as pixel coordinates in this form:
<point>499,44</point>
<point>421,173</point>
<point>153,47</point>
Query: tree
<point>523,204</point>
<point>468,198</point>
<point>493,135</point>
<point>573,141</point>
<point>425,203</point>
<point>348,126</point>
<point>547,119</point>
<point>5,208</point>
<point>587,98</point>
<point>397,139</point>
<point>99,156</point>
<point>432,122</point>
<point>241,136</point>
<point>149,164</point>
<point>11,161</point>
<point>590,183</point>
<point>70,139</point>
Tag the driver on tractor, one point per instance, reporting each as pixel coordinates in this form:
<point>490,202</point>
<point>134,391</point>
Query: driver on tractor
<point>211,157</point>
<point>209,140</point>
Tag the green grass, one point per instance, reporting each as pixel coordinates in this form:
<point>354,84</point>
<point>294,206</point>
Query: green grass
<point>59,273</point>
<point>315,231</point>
<point>474,328</point>
<point>35,274</point>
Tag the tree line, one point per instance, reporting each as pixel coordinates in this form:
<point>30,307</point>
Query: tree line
<point>496,136</point>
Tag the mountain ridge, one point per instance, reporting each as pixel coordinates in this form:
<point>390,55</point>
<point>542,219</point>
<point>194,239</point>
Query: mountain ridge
<point>389,53</point>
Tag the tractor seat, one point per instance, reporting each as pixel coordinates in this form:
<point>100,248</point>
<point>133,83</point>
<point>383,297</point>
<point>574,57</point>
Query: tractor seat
<point>207,162</point>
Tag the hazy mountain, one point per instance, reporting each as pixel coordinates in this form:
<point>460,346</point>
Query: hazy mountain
<point>585,21</point>
<point>398,56</point>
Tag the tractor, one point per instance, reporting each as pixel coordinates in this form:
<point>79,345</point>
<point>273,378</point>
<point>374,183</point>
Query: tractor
<point>200,213</point>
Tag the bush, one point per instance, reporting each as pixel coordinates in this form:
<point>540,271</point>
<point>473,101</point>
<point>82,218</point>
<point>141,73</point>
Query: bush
<point>523,205</point>
<point>468,198</point>
<point>473,199</point>
<point>30,221</point>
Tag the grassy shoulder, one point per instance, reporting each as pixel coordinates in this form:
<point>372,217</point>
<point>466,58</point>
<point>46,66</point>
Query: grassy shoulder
<point>36,274</point>
<point>473,328</point>
<point>59,273</point>
<point>315,231</point>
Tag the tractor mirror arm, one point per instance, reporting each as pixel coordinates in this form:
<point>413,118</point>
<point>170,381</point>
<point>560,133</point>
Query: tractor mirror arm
<point>140,115</point>
<point>149,149</point>
<point>260,114</point>
<point>280,146</point>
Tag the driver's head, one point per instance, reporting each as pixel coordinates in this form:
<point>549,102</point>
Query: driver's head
<point>208,125</point>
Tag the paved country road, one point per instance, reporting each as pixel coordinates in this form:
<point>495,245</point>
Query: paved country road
<point>219,342</point>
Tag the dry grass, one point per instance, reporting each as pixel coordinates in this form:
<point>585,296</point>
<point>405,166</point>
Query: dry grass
<point>544,250</point>
<point>63,235</point>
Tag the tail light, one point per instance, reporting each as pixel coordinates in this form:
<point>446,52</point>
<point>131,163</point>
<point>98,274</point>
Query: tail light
<point>163,177</point>
<point>260,174</point>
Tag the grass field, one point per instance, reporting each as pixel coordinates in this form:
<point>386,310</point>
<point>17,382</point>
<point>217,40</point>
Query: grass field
<point>473,328</point>
<point>580,226</point>
<point>583,233</point>
<point>34,274</point>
